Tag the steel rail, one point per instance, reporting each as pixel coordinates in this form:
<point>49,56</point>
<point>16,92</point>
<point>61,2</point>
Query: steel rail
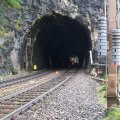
<point>19,76</point>
<point>22,91</point>
<point>54,84</point>
<point>15,81</point>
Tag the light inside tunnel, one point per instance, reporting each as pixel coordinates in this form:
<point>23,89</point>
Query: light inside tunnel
<point>60,37</point>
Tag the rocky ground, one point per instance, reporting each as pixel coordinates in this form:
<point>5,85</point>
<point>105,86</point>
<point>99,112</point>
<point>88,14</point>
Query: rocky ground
<point>76,100</point>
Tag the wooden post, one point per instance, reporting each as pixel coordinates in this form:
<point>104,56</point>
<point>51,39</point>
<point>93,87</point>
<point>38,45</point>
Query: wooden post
<point>112,69</point>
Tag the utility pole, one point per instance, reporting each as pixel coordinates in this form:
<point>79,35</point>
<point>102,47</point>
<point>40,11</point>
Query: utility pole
<point>112,69</point>
<point>118,16</point>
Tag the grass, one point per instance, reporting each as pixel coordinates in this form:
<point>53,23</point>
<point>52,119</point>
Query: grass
<point>113,113</point>
<point>103,76</point>
<point>101,91</point>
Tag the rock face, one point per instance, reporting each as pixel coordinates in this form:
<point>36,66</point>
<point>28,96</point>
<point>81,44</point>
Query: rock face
<point>86,10</point>
<point>20,21</point>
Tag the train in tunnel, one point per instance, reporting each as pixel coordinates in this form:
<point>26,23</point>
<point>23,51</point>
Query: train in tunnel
<point>54,39</point>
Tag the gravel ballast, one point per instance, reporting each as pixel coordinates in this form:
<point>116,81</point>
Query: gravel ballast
<point>75,100</point>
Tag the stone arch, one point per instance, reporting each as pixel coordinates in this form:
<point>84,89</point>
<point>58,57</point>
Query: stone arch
<point>68,28</point>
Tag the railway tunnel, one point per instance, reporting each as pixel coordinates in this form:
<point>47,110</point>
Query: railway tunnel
<point>56,38</point>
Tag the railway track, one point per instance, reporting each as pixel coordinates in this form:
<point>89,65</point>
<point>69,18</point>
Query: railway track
<point>8,82</point>
<point>12,90</point>
<point>11,107</point>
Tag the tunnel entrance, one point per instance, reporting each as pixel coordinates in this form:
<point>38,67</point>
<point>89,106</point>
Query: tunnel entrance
<point>56,38</point>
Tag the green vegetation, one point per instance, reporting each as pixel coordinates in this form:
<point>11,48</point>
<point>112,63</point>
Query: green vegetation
<point>101,90</point>
<point>3,32</point>
<point>103,76</point>
<point>12,3</point>
<point>113,113</point>
<point>118,76</point>
<point>1,46</point>
<point>18,23</point>
<point>5,6</point>
<point>2,22</point>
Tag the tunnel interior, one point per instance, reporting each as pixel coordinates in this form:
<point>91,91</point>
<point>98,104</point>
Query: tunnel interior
<point>59,38</point>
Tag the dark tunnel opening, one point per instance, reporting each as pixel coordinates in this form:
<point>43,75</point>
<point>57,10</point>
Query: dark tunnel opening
<point>59,38</point>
